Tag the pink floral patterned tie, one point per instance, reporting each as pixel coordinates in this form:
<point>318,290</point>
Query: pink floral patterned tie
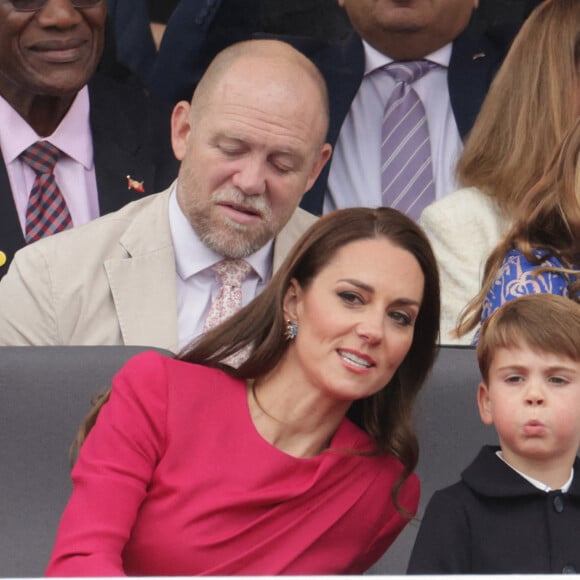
<point>231,274</point>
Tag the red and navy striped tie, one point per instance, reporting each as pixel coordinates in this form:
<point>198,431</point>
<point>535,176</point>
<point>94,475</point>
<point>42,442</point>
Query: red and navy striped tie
<point>47,212</point>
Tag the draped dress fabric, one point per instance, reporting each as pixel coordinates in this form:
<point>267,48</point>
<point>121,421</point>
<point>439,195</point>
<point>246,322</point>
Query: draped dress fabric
<point>174,479</point>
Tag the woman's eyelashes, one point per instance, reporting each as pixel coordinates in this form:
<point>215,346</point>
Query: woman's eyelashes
<point>350,297</point>
<point>402,318</point>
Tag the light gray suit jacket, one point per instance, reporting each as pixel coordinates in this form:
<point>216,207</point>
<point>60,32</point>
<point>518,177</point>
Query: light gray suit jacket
<point>463,227</point>
<point>111,281</point>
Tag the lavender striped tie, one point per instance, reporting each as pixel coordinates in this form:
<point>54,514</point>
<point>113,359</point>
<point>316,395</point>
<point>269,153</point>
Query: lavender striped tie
<point>406,170</point>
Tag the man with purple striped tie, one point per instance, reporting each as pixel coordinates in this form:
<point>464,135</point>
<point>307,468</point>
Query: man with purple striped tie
<point>405,89</point>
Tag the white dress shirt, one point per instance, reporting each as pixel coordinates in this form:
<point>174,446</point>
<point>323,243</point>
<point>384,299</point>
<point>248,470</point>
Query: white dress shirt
<point>74,171</point>
<point>197,283</point>
<point>355,176</point>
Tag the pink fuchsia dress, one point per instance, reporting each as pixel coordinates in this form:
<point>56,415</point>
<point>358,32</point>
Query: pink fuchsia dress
<point>175,480</point>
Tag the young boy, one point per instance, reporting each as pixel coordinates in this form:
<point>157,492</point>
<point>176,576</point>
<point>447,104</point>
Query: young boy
<point>517,506</point>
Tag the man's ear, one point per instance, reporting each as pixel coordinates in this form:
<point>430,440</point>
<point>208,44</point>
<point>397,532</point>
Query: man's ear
<point>180,128</point>
<point>324,156</point>
<point>484,404</point>
<point>292,301</point>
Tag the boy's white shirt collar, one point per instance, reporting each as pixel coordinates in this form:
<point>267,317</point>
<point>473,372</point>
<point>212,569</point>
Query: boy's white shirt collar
<point>541,486</point>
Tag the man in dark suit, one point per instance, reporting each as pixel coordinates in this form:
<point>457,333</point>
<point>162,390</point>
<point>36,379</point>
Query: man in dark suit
<point>113,142</point>
<point>445,31</point>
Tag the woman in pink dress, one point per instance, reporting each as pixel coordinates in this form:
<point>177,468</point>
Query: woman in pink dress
<point>298,460</point>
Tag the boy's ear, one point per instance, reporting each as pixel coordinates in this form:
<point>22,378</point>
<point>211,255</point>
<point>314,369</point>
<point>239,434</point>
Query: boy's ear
<point>484,404</point>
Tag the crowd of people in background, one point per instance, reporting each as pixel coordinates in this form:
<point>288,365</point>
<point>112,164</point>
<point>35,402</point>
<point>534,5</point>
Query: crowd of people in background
<point>311,193</point>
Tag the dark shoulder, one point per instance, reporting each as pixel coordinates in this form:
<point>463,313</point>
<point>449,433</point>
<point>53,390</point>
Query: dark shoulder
<point>132,97</point>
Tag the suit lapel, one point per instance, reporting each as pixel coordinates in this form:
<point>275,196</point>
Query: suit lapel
<point>118,124</point>
<point>474,61</point>
<point>11,237</point>
<point>143,284</point>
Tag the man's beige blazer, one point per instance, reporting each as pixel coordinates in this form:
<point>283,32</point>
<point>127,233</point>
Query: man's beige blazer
<point>111,281</point>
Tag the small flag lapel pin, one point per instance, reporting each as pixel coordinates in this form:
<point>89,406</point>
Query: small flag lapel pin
<point>135,185</point>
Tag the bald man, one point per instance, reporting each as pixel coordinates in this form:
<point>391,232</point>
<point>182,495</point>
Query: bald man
<point>250,143</point>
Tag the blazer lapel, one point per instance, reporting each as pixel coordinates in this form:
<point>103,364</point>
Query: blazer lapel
<point>474,62</point>
<point>11,237</point>
<point>143,284</point>
<point>118,128</point>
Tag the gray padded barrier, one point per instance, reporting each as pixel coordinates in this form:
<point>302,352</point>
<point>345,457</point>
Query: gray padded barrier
<point>45,393</point>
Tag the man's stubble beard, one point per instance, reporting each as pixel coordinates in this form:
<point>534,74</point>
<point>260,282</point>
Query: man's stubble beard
<point>222,235</point>
<point>228,238</point>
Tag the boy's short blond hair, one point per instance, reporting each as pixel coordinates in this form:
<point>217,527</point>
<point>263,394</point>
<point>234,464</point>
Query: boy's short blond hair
<point>543,322</point>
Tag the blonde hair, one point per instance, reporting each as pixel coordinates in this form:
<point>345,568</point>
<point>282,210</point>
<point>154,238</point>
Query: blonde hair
<point>547,219</point>
<point>529,106</point>
<point>544,322</point>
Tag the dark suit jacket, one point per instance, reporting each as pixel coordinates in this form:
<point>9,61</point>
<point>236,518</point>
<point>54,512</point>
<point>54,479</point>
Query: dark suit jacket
<point>195,33</point>
<point>475,58</point>
<point>129,37</point>
<point>131,136</point>
<point>495,522</point>
<point>199,29</point>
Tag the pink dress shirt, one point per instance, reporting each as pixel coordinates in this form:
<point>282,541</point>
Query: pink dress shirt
<point>74,171</point>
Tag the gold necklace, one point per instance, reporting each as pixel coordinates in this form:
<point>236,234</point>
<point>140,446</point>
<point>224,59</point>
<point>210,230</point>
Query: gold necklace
<point>251,383</point>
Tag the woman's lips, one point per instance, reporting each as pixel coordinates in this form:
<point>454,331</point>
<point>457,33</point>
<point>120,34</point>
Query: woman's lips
<point>356,361</point>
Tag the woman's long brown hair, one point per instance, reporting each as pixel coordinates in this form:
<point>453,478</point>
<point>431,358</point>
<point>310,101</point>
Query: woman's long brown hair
<point>385,416</point>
